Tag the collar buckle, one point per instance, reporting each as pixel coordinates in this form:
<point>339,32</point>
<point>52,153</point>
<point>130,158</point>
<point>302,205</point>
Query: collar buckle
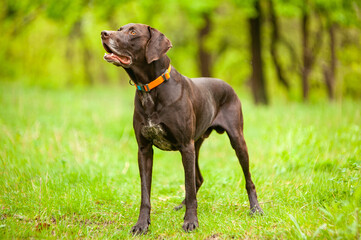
<point>165,75</point>
<point>143,88</point>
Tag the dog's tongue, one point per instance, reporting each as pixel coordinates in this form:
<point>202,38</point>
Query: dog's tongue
<point>111,57</point>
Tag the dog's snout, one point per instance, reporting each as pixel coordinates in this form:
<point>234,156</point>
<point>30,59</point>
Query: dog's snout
<point>105,34</point>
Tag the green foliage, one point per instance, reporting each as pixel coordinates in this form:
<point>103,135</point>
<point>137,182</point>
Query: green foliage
<point>56,44</point>
<point>68,169</point>
<point>340,11</point>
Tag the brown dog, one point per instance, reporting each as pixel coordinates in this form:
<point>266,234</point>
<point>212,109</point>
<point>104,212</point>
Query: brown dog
<point>174,112</point>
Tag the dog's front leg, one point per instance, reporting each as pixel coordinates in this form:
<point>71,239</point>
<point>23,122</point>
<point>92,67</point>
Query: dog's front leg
<point>188,160</point>
<point>145,163</point>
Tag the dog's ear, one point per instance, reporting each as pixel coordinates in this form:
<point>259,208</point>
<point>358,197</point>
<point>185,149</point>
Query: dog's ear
<point>158,45</point>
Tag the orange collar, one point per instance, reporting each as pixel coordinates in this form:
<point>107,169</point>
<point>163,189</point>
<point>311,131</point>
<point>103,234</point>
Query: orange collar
<point>158,81</point>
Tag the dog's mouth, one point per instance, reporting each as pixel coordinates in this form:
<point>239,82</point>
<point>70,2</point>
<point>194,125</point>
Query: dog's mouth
<point>116,59</point>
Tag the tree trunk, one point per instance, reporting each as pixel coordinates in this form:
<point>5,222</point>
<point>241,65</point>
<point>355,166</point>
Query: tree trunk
<point>203,54</point>
<point>87,56</point>
<point>275,39</point>
<point>307,59</point>
<point>257,79</point>
<point>330,71</point>
<point>78,34</point>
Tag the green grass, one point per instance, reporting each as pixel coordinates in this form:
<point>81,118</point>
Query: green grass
<point>68,169</point>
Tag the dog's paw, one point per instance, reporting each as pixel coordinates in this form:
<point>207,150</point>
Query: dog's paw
<point>179,207</point>
<point>256,210</point>
<point>139,229</point>
<point>190,226</point>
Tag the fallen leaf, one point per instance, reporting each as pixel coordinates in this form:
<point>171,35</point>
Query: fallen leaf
<point>41,226</point>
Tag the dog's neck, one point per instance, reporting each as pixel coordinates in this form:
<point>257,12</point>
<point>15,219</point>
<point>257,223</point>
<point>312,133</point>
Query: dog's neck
<point>145,73</point>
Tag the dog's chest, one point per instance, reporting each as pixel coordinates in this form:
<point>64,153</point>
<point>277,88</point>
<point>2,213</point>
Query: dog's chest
<point>152,129</point>
<point>156,134</point>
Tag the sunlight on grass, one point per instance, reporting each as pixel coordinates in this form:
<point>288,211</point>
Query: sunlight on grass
<point>69,169</point>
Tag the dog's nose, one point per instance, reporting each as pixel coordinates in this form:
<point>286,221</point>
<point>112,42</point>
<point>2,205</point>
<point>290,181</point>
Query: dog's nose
<point>104,34</point>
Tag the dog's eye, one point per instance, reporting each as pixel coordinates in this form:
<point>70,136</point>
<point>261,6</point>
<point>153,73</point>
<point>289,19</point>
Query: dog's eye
<point>132,32</point>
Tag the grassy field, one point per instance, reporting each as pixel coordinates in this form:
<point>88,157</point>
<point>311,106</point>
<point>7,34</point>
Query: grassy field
<point>68,169</point>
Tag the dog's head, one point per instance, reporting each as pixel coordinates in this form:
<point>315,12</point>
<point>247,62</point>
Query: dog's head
<point>134,44</point>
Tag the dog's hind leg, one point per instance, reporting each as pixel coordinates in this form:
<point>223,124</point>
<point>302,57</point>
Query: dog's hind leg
<point>231,120</point>
<point>239,145</point>
<point>199,178</point>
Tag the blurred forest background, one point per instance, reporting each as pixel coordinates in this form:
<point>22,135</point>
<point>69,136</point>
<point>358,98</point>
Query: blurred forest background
<point>298,50</point>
